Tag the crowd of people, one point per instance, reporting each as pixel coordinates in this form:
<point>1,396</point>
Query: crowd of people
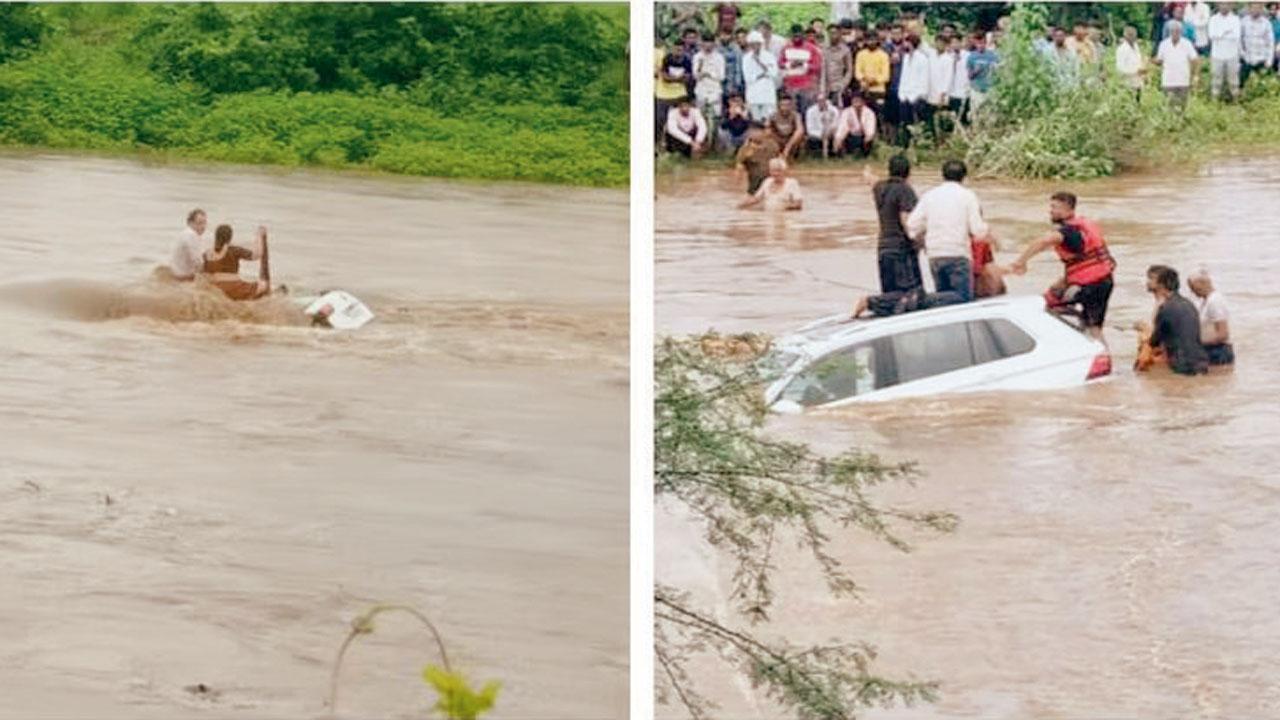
<point>831,89</point>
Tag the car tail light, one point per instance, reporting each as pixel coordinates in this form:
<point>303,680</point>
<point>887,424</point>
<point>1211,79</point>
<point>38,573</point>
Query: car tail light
<point>1101,367</point>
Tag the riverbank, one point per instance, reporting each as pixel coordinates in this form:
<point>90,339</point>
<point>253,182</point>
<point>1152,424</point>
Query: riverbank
<point>120,85</point>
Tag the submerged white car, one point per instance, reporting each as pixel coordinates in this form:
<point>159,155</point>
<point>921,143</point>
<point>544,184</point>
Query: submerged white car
<point>1004,343</point>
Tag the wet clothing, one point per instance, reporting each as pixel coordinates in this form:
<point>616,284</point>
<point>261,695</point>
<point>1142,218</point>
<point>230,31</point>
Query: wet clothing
<point>899,270</point>
<point>953,279</point>
<point>893,197</point>
<point>229,263</point>
<point>1220,354</point>
<point>755,158</point>
<point>1177,332</point>
<point>187,253</point>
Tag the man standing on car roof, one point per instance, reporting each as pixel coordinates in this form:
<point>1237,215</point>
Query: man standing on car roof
<point>1087,280</point>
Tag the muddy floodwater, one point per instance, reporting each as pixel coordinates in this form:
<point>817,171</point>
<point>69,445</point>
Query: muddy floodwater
<point>199,493</point>
<point>1117,549</point>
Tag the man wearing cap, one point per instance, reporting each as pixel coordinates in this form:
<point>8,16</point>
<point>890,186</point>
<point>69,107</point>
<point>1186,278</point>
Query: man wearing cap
<point>759,73</point>
<point>801,65</point>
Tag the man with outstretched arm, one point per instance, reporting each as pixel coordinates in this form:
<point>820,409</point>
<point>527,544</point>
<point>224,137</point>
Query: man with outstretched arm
<point>1088,266</point>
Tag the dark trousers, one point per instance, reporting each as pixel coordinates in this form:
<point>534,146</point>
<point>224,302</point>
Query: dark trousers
<point>675,146</point>
<point>899,270</point>
<point>1220,354</point>
<point>1246,70</point>
<point>856,146</point>
<point>953,279</point>
<point>960,106</point>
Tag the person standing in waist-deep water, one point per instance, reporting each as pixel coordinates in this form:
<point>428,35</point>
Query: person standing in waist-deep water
<point>1215,330</point>
<point>1177,326</point>
<point>754,156</point>
<point>1087,263</point>
<point>186,260</point>
<point>778,192</point>
<point>947,218</point>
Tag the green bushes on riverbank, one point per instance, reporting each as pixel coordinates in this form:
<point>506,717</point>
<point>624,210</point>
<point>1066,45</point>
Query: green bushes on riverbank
<point>1036,127</point>
<point>523,92</point>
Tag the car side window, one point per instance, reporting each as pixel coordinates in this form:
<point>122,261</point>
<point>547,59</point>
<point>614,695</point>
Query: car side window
<point>842,374</point>
<point>998,339</point>
<point>1011,339</point>
<point>932,351</point>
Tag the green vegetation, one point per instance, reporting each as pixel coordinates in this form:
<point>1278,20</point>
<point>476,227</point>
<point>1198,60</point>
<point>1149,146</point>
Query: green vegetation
<point>753,494</point>
<point>521,91</point>
<point>1036,126</point>
<point>455,698</point>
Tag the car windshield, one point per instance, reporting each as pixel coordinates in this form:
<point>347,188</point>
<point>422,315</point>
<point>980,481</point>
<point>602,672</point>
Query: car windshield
<point>774,363</point>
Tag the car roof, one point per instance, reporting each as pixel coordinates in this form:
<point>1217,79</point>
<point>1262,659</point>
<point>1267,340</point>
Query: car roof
<point>837,331</point>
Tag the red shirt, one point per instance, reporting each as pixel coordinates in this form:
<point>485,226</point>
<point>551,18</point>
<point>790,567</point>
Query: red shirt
<point>808,71</point>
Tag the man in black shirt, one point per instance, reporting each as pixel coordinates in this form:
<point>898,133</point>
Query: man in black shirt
<point>1177,325</point>
<point>901,285</point>
<point>898,256</point>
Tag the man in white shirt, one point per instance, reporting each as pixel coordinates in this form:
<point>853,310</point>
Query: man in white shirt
<point>942,67</point>
<point>1215,331</point>
<point>959,92</point>
<point>1130,63</point>
<point>820,127</point>
<point>856,129</point>
<point>1178,59</point>
<point>1258,40</point>
<point>773,42</point>
<point>709,72</point>
<point>948,217</point>
<point>686,130</point>
<point>759,75</point>
<point>913,87</point>
<point>1198,14</point>
<point>188,251</point>
<point>1225,35</point>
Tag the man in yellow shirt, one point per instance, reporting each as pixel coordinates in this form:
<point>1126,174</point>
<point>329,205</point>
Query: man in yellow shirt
<point>871,68</point>
<point>1083,46</point>
<point>671,71</point>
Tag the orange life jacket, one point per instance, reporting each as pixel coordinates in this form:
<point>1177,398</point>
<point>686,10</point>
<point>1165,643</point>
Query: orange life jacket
<point>1094,263</point>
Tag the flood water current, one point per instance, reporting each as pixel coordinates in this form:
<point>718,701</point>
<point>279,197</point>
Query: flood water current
<point>1116,553</point>
<point>197,496</point>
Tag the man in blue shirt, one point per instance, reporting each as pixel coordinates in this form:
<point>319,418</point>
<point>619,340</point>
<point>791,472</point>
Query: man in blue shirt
<point>982,69</point>
<point>732,52</point>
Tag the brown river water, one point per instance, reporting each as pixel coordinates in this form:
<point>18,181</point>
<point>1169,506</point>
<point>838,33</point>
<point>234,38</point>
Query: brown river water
<point>194,491</point>
<point>1116,553</point>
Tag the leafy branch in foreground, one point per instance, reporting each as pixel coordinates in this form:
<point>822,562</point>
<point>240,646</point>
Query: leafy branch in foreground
<point>751,492</point>
<point>456,699</point>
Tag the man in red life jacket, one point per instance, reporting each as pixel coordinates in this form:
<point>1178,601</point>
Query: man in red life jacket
<point>1088,265</point>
